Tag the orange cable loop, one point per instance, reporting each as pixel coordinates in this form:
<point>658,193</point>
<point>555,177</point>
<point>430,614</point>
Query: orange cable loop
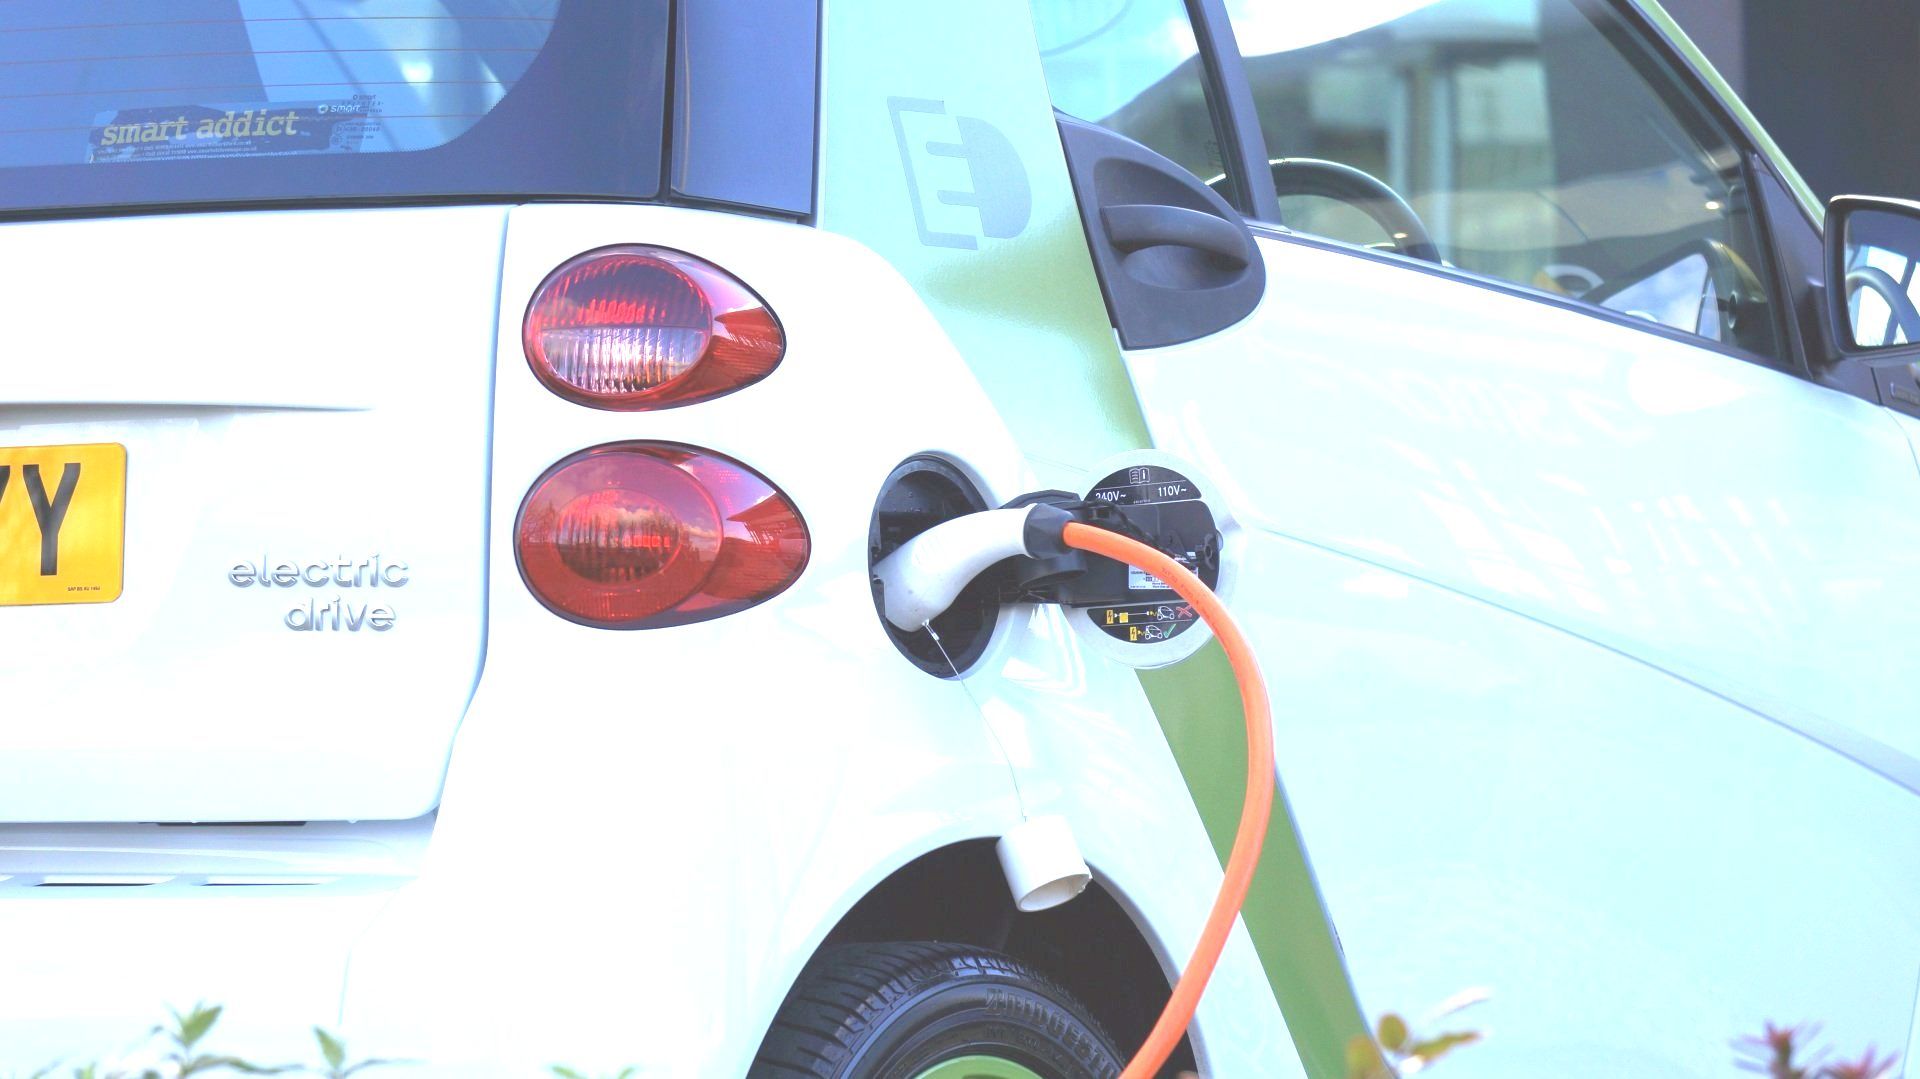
<point>1238,876</point>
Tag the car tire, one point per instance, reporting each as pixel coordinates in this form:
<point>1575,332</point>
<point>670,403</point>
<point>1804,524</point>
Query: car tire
<point>940,1011</point>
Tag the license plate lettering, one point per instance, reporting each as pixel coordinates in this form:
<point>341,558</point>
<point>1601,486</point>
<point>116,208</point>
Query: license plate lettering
<point>62,523</point>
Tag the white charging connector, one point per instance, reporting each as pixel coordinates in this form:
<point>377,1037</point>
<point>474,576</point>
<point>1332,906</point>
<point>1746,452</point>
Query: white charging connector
<point>924,575</point>
<point>919,581</point>
<point>1039,857</point>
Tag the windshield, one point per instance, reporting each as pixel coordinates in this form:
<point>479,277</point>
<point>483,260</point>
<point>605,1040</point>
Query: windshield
<point>129,102</point>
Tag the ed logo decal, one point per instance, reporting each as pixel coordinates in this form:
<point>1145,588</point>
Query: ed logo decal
<point>964,178</point>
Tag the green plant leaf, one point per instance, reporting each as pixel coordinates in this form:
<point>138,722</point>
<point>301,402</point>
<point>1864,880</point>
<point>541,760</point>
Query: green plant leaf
<point>195,1024</point>
<point>214,1063</point>
<point>1432,1049</point>
<point>1363,1058</point>
<point>1393,1032</point>
<point>377,1062</point>
<point>567,1073</point>
<point>331,1048</point>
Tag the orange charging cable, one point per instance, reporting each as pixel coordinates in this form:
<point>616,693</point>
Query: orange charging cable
<point>1173,1020</point>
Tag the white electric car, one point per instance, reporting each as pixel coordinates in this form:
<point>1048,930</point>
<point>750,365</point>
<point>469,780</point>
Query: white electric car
<point>444,447</point>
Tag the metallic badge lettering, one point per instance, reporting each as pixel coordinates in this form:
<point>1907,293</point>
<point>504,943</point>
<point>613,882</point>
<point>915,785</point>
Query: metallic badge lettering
<point>338,614</point>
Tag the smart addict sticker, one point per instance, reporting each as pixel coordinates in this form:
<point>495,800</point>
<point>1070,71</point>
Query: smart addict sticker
<point>256,129</point>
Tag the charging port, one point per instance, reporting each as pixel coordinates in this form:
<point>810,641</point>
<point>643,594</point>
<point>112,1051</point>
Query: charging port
<point>933,548</point>
<point>1165,507</point>
<point>923,492</point>
<point>1151,503</point>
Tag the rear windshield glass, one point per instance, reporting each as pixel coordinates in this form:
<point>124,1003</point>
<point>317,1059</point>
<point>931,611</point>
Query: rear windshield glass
<point>131,102</point>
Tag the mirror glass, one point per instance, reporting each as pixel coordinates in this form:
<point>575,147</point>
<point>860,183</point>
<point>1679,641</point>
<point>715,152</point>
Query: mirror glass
<point>1882,248</point>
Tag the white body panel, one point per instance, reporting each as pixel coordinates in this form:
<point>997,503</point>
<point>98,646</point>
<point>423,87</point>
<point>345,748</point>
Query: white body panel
<point>1585,644</point>
<point>1912,427</point>
<point>306,409</point>
<point>645,835</point>
<point>90,971</point>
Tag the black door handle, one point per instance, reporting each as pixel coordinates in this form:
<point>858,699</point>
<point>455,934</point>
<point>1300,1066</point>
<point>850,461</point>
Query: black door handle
<point>1207,273</point>
<point>1131,226</point>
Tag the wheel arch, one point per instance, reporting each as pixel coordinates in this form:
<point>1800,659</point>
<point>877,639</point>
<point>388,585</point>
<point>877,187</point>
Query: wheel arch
<point>1091,945</point>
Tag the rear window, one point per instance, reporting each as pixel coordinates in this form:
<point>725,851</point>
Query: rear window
<point>133,102</point>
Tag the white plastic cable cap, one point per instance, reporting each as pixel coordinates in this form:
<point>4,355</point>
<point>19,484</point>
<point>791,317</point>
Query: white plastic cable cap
<point>1042,862</point>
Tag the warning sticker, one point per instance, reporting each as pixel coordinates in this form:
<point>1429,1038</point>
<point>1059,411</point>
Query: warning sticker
<point>1139,580</point>
<point>257,129</point>
<point>1145,623</point>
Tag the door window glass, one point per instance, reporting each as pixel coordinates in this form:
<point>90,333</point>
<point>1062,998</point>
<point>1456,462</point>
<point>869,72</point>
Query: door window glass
<point>1529,140</point>
<point>1133,67</point>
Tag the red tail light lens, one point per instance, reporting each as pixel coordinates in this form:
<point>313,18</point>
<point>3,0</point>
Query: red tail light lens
<point>633,328</point>
<point>637,535</point>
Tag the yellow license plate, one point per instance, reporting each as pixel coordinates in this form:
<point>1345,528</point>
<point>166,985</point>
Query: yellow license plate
<point>63,513</point>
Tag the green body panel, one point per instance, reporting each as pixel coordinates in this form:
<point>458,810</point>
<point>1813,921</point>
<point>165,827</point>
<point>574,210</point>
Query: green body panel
<point>906,90</point>
<point>1718,85</point>
<point>1199,708</point>
<point>1025,310</point>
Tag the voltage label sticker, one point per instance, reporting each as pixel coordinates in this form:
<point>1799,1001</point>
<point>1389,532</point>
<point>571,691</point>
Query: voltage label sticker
<point>1145,623</point>
<point>1166,505</point>
<point>258,129</point>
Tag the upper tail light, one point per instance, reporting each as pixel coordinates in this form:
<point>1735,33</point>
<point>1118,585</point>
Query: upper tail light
<point>636,327</point>
<point>637,535</point>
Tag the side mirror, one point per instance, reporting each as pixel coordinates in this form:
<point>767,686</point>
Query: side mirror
<point>1873,280</point>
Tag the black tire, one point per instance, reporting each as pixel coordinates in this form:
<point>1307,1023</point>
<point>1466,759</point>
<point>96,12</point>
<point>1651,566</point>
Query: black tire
<point>892,1011</point>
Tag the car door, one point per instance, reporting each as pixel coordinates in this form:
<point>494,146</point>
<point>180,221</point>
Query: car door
<point>1581,608</point>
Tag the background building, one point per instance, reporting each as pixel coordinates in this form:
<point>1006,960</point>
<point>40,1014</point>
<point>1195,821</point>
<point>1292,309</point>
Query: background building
<point>1832,80</point>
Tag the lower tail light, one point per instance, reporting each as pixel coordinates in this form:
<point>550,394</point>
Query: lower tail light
<point>638,535</point>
